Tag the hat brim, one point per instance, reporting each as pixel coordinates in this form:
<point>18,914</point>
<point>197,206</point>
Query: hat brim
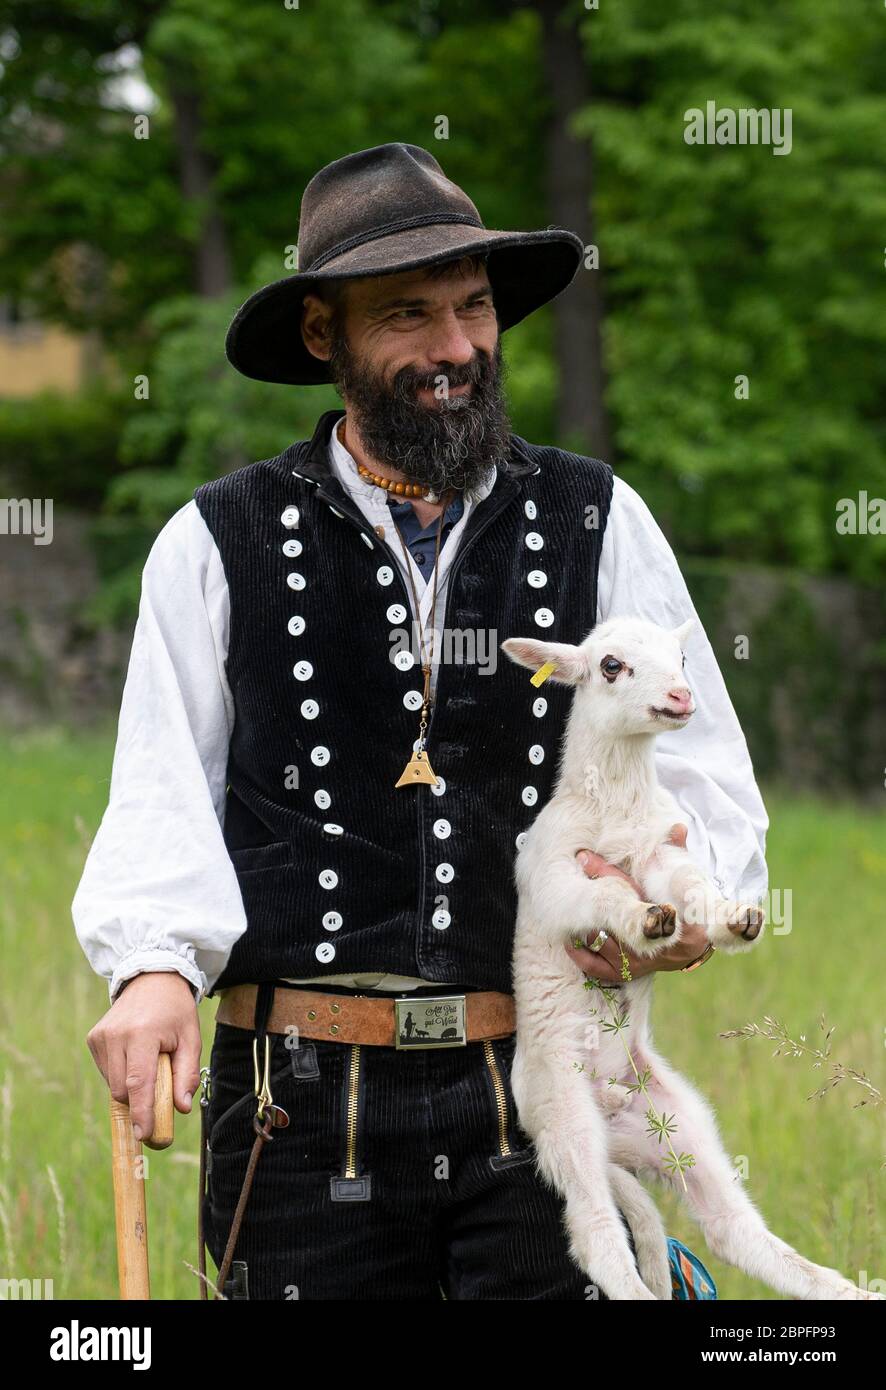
<point>526,269</point>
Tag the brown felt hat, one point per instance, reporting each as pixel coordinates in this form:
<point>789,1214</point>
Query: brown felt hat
<point>378,211</point>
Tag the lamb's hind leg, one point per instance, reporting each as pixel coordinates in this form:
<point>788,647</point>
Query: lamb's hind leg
<point>571,1154</point>
<point>647,1229</point>
<point>733,1228</point>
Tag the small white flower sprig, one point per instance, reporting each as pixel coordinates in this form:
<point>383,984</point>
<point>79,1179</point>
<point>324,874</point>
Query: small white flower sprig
<point>661,1125</point>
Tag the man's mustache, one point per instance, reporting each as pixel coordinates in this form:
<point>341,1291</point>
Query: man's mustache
<point>420,382</point>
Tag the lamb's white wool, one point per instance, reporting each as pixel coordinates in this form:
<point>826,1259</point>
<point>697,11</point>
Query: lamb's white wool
<point>591,1138</point>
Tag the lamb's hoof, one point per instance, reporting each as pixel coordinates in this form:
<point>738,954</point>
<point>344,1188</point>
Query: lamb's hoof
<point>746,922</point>
<point>661,920</point>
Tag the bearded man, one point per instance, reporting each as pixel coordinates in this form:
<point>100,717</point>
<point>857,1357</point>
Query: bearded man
<point>323,775</point>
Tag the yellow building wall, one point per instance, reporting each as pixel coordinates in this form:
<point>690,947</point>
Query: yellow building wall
<point>37,358</point>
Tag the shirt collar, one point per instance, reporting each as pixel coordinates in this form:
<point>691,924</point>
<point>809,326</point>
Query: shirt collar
<point>345,467</point>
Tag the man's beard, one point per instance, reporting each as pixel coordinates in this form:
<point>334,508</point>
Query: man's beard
<point>450,444</point>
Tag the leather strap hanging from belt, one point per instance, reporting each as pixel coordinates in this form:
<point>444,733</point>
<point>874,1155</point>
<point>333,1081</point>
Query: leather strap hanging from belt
<point>266,1118</point>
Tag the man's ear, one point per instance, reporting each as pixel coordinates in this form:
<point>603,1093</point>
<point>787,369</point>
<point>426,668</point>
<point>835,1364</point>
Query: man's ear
<point>570,662</point>
<point>314,324</point>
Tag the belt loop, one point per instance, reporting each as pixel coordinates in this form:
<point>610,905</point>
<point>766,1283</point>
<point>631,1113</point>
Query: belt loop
<point>264,1001</point>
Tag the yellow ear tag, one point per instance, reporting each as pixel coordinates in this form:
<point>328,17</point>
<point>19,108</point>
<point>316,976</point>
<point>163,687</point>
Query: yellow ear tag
<point>543,672</point>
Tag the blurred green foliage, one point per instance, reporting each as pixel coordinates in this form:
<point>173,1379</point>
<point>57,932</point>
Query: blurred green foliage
<point>717,262</point>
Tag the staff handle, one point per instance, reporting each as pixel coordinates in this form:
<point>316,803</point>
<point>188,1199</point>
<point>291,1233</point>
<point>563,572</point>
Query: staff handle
<point>130,1210</point>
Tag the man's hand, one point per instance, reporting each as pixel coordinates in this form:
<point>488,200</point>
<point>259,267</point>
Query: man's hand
<point>605,965</point>
<point>155,1013</point>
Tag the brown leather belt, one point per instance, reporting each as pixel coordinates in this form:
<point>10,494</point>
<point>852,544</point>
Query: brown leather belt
<point>444,1020</point>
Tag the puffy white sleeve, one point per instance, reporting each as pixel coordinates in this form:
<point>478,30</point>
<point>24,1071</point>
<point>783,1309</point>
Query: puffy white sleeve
<point>706,766</point>
<point>158,890</point>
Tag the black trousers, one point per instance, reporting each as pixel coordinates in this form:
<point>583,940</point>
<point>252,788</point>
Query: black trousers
<point>401,1175</point>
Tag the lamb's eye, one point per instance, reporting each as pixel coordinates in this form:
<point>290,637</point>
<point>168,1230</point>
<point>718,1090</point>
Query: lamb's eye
<point>684,661</point>
<point>610,666</point>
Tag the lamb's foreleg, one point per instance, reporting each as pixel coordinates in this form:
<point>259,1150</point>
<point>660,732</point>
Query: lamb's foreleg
<point>564,903</point>
<point>671,873</point>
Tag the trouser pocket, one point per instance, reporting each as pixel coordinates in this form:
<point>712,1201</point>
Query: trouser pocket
<point>351,1183</point>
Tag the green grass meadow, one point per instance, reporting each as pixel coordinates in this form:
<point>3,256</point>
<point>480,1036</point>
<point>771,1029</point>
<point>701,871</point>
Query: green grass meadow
<point>814,1166</point>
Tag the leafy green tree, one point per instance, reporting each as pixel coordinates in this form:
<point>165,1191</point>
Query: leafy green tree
<point>722,262</point>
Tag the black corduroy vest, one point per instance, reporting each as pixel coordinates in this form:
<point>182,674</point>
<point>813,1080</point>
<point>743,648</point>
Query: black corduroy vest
<point>340,871</point>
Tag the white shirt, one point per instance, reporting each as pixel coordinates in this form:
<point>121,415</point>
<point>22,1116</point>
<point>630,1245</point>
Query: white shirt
<point>159,890</point>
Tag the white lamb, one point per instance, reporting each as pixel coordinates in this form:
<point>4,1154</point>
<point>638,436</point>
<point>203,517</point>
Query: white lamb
<point>593,1139</point>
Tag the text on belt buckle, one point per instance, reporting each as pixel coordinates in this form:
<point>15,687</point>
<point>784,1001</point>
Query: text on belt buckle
<point>437,1022</point>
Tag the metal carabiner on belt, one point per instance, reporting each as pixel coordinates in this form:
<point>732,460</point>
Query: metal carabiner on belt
<point>277,1115</point>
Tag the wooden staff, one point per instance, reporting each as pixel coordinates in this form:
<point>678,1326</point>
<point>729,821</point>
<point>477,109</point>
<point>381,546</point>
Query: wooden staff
<point>130,1212</point>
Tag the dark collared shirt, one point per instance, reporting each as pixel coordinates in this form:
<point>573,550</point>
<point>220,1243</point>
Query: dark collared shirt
<point>421,541</point>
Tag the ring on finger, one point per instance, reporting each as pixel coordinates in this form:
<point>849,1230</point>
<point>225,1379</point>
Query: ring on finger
<point>598,941</point>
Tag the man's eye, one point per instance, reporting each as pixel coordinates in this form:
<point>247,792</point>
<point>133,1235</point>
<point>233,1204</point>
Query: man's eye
<point>610,666</point>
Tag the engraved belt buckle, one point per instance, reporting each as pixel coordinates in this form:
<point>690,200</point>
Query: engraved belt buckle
<point>430,1022</point>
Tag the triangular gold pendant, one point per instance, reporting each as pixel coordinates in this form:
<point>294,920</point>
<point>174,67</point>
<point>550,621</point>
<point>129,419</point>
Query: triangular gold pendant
<point>418,769</point>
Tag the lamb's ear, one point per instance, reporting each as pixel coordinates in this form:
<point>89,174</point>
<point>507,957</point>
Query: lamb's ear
<point>570,663</point>
<point>683,631</point>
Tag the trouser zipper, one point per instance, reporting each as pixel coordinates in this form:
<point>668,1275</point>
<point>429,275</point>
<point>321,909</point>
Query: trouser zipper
<point>500,1098</point>
<point>349,1186</point>
<point>351,1112</point>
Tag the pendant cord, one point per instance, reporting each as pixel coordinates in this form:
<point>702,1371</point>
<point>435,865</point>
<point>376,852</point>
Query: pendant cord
<point>426,667</point>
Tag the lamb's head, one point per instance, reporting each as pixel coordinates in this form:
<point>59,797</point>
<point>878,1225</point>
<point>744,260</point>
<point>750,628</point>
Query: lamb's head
<point>628,674</point>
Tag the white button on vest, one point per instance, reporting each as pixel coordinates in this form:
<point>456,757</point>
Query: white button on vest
<point>442,829</point>
<point>310,709</point>
<point>328,878</point>
<point>330,828</point>
<point>332,920</point>
<point>530,509</point>
<point>303,670</point>
<point>364,537</point>
<point>385,575</point>
<point>537,578</point>
<point>322,799</point>
<point>396,613</point>
<point>534,540</point>
<point>539,706</point>
<point>295,580</point>
<point>521,839</point>
<point>290,517</point>
<point>536,753</point>
<point>413,699</point>
<point>337,512</point>
<point>445,873</point>
<point>320,755</point>
<point>292,548</point>
<point>325,951</point>
<point>441,919</point>
<point>544,617</point>
<point>529,796</point>
<point>296,625</point>
<point>404,661</point>
<point>440,787</point>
